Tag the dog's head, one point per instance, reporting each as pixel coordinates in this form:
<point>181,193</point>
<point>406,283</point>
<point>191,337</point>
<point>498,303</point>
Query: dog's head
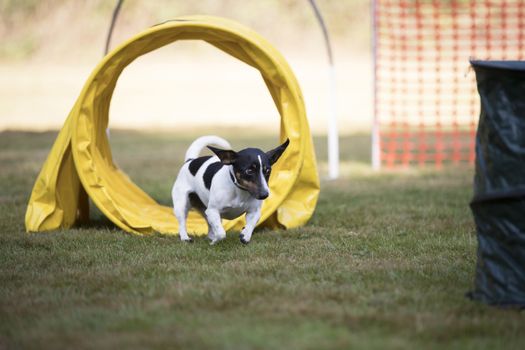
<point>251,167</point>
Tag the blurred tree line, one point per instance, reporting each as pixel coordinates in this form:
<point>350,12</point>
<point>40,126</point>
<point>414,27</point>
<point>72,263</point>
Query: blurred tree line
<point>52,28</point>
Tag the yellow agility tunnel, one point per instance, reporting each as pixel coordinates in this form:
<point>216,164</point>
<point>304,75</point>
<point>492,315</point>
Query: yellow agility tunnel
<point>80,164</point>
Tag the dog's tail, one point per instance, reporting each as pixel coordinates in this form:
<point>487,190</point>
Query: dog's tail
<point>203,141</point>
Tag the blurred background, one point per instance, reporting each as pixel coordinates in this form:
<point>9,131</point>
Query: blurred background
<point>48,48</point>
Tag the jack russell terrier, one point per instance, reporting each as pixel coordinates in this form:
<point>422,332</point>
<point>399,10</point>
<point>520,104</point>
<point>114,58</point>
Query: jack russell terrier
<point>226,185</point>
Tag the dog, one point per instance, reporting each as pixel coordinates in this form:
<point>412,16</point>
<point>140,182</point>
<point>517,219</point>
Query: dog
<point>225,185</point>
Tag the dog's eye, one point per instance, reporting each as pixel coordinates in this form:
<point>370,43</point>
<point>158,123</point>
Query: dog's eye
<point>249,171</point>
<point>267,171</point>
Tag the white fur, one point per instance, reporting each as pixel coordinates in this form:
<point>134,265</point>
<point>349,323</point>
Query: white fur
<point>199,144</point>
<point>222,200</point>
<point>262,179</point>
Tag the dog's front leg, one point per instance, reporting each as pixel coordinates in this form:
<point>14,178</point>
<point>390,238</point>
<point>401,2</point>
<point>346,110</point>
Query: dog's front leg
<point>210,232</point>
<point>214,220</point>
<point>251,220</point>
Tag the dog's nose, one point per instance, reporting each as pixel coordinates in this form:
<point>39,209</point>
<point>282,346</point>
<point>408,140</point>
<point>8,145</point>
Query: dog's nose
<point>262,196</point>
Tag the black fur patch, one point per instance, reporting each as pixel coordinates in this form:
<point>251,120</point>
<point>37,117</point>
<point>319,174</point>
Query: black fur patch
<point>210,173</point>
<point>197,163</point>
<point>196,202</point>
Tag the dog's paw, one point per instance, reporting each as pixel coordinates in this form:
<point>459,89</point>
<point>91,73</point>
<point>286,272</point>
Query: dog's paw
<point>216,239</point>
<point>243,241</point>
<point>189,240</point>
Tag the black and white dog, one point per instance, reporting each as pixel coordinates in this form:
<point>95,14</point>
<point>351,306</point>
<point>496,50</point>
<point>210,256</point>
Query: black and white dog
<point>226,185</point>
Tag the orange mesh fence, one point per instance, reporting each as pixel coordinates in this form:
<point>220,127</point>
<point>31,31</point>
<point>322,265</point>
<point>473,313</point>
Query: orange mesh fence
<point>426,105</point>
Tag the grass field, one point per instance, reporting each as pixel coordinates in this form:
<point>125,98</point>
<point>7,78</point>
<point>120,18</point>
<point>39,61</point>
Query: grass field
<point>384,263</point>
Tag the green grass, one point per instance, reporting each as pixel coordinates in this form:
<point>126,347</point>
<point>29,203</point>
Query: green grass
<point>384,263</point>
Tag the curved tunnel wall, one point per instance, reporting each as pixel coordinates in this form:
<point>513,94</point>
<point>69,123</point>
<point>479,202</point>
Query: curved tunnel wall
<point>80,163</point>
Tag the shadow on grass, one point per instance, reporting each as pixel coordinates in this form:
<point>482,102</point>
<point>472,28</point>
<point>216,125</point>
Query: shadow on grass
<point>99,223</point>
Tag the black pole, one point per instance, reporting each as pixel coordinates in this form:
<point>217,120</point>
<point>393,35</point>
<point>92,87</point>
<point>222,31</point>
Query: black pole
<point>112,25</point>
<point>324,29</point>
<point>333,136</point>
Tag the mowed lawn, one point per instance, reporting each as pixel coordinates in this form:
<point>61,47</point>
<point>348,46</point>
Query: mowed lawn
<point>385,262</point>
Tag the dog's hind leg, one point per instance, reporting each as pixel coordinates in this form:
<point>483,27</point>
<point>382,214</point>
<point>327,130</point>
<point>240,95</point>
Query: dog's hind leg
<point>181,206</point>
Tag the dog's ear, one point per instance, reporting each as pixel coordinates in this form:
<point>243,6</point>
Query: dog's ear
<point>276,153</point>
<point>227,157</point>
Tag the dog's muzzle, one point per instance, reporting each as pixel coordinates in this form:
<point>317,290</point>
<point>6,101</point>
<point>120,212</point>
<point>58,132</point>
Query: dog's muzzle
<point>262,196</point>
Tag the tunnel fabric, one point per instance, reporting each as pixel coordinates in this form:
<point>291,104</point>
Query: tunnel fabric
<point>80,163</point>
